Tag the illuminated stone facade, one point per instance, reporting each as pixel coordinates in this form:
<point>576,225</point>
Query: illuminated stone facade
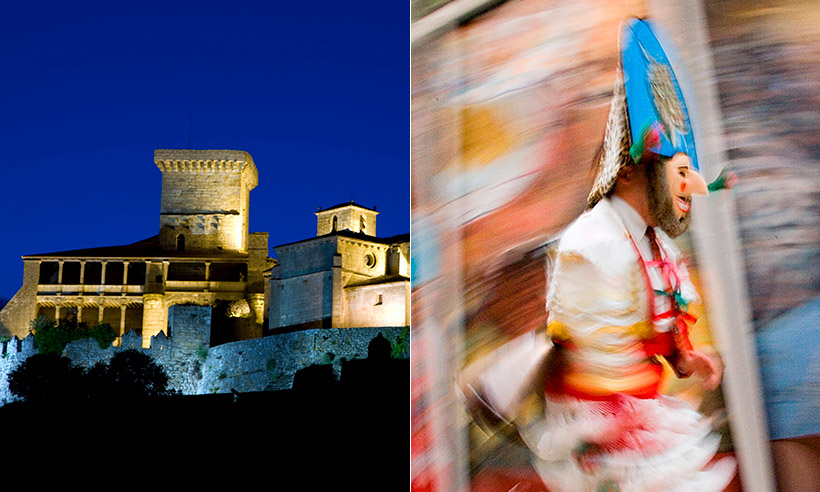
<point>205,199</point>
<point>202,255</point>
<point>197,296</point>
<point>348,216</point>
<point>344,277</point>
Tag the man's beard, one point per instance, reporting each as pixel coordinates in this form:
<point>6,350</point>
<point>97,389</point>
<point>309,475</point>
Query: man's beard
<point>660,201</point>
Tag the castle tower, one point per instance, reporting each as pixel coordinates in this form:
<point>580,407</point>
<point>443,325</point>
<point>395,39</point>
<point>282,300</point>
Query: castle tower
<point>346,216</point>
<point>205,199</point>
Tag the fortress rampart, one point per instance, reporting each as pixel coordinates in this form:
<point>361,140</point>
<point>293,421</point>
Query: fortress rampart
<point>261,364</point>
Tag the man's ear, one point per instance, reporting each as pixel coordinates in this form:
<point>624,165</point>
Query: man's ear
<point>626,174</point>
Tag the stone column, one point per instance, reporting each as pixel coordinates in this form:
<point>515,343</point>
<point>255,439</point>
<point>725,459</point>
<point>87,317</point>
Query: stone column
<point>407,311</point>
<point>274,298</point>
<point>121,331</point>
<point>60,283</point>
<point>124,276</point>
<point>154,317</point>
<point>337,303</point>
<point>257,303</point>
<point>118,340</point>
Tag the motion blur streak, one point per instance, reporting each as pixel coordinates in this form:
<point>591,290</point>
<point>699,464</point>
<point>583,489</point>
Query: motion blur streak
<point>508,104</point>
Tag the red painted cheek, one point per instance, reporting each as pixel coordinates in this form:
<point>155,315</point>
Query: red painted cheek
<point>683,186</point>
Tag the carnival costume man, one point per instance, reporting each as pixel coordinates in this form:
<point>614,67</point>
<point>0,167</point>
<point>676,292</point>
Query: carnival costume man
<point>618,302</point>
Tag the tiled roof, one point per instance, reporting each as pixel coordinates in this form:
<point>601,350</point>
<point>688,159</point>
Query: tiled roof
<point>347,204</point>
<point>384,279</point>
<point>355,235</point>
<point>146,248</point>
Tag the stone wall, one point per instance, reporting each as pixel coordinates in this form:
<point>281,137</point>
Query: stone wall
<point>355,254</point>
<point>373,305</point>
<point>262,364</point>
<point>303,299</point>
<point>12,353</point>
<point>398,259</point>
<point>270,363</point>
<point>22,308</point>
<point>306,256</point>
<point>302,286</point>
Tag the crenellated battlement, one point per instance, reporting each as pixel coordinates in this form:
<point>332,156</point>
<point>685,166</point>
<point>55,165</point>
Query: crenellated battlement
<point>208,161</point>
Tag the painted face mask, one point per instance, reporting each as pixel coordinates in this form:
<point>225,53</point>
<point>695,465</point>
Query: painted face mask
<point>671,187</point>
<point>682,183</point>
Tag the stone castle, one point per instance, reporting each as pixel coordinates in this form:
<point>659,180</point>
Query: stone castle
<point>205,257</point>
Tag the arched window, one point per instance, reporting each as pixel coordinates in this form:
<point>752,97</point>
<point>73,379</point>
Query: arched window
<point>180,242</point>
<point>335,224</point>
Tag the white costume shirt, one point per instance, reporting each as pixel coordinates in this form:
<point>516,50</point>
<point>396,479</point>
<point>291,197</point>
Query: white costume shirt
<point>636,227</point>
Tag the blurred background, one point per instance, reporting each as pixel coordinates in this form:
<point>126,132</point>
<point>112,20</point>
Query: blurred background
<point>508,104</point>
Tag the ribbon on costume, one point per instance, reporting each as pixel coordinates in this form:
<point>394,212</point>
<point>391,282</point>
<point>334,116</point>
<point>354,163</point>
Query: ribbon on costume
<point>670,272</point>
<point>682,318</point>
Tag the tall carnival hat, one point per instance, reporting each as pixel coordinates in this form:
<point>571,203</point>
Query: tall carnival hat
<point>648,111</point>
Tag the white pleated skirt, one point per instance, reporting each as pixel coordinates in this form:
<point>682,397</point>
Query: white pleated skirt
<point>626,445</point>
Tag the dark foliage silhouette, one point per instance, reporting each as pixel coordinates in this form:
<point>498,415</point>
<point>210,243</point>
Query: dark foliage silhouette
<point>46,377</point>
<point>129,375</point>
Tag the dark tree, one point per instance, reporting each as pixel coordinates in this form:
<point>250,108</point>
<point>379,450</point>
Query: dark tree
<point>129,375</point>
<point>378,348</point>
<point>46,378</point>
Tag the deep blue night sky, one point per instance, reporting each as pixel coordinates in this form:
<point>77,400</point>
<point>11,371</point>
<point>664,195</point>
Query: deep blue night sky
<point>316,92</point>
